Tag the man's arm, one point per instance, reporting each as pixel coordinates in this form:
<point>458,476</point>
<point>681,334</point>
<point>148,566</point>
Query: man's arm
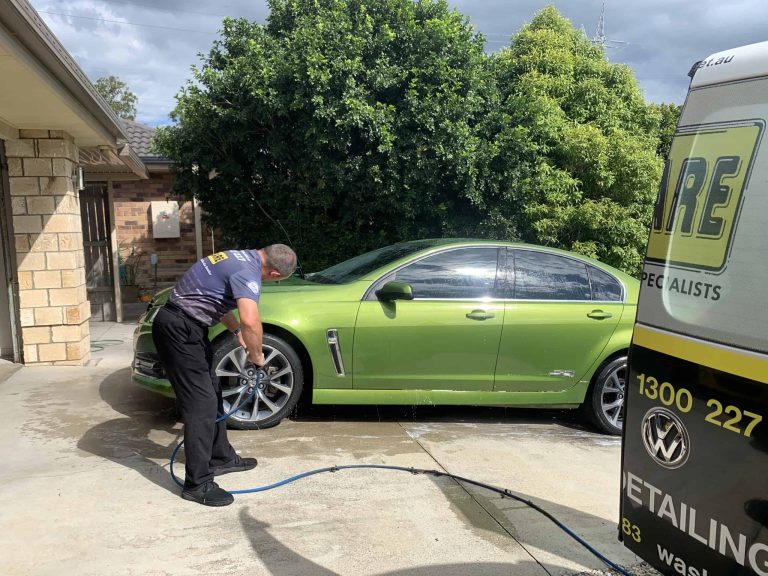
<point>230,321</point>
<point>233,326</point>
<point>251,330</point>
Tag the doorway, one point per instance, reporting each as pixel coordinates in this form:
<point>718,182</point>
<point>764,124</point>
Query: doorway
<point>97,227</point>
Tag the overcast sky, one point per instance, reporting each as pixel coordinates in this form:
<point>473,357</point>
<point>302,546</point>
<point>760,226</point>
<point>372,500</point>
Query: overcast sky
<point>151,45</point>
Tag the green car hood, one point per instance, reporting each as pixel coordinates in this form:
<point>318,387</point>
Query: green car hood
<point>291,285</point>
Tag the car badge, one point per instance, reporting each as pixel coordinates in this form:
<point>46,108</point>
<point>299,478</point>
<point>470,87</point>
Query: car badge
<point>665,438</point>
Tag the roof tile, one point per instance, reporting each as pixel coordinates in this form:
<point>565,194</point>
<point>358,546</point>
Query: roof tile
<point>140,138</point>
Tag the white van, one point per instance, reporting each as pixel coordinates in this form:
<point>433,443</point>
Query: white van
<point>694,495</point>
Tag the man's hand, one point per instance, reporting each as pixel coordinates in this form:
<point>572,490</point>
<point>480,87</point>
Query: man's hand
<point>258,360</point>
<point>251,335</point>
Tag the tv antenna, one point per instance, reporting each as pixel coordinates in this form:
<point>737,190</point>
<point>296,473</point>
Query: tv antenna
<point>600,37</point>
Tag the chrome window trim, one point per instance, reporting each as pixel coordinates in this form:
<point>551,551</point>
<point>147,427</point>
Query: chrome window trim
<point>518,300</point>
<point>484,300</point>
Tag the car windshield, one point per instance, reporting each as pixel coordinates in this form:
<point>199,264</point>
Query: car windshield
<point>357,267</point>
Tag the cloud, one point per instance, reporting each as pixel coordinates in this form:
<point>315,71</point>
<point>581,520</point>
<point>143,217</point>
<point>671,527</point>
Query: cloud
<point>660,39</point>
<point>151,48</point>
<point>667,37</point>
<point>152,45</point>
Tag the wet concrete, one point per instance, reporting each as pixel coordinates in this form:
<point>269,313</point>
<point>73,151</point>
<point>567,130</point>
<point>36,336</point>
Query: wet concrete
<point>86,488</point>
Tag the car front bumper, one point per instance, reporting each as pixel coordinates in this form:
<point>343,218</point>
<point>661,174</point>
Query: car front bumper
<point>146,369</point>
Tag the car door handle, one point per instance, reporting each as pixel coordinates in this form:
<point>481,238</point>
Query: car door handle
<point>480,315</point>
<point>599,315</point>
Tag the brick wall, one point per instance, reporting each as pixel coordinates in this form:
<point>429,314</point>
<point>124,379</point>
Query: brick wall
<point>53,305</point>
<point>133,220</point>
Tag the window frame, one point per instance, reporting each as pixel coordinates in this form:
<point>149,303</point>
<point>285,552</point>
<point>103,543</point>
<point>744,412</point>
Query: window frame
<point>501,255</point>
<point>511,272</point>
<point>622,295</point>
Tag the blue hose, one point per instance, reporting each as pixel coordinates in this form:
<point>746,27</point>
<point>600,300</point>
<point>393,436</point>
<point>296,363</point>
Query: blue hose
<point>415,471</point>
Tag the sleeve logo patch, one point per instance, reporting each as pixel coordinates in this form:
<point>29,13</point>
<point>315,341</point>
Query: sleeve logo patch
<point>218,257</point>
<point>253,286</point>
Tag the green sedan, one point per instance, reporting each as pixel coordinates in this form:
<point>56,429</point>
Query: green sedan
<point>463,322</point>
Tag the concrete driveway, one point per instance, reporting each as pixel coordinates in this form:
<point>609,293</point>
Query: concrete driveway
<point>86,489</point>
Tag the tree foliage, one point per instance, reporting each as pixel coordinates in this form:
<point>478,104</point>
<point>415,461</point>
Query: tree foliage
<point>118,96</point>
<point>572,146</point>
<point>357,124</point>
<point>349,121</point>
<point>670,114</point>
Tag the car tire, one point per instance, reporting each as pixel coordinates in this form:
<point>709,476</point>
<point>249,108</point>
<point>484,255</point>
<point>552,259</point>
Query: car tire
<point>604,404</point>
<point>275,399</point>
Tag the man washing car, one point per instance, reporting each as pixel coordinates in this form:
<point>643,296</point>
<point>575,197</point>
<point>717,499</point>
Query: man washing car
<point>206,295</point>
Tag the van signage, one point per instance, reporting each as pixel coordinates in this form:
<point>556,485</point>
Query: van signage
<point>701,194</point>
<point>694,464</point>
<point>665,437</point>
<point>716,61</point>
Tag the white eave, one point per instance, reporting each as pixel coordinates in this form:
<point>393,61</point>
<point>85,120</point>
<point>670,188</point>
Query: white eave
<point>44,88</point>
<point>104,162</point>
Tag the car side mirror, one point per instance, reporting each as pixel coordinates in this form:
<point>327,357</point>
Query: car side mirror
<point>394,290</point>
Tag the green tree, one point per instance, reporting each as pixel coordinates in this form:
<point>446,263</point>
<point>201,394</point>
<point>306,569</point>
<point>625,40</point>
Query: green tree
<point>670,114</point>
<point>570,146</point>
<point>357,124</point>
<point>118,96</point>
<point>351,122</point>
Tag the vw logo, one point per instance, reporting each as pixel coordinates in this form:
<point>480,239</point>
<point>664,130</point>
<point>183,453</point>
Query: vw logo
<point>665,438</point>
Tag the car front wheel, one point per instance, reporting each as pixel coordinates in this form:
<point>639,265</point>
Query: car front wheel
<point>604,404</point>
<point>282,380</point>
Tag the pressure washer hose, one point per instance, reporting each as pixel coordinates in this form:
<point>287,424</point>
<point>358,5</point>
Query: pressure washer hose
<point>415,471</point>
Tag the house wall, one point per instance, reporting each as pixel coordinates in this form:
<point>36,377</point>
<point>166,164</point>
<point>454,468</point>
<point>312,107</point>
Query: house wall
<point>6,330</point>
<point>133,221</point>
<point>53,305</point>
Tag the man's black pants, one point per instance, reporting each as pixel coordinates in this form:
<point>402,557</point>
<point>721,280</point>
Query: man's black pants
<point>186,354</point>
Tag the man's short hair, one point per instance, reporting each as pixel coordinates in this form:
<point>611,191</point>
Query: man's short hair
<point>281,258</point>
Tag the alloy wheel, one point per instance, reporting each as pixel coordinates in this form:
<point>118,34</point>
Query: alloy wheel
<point>612,395</point>
<point>237,376</point>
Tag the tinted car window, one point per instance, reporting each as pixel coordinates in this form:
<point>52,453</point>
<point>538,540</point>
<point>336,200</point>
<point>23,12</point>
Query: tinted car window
<point>354,268</point>
<point>605,287</point>
<point>543,276</point>
<point>462,273</point>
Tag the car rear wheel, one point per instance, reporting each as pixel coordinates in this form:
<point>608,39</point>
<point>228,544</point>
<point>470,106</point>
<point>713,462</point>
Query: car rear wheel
<point>282,380</point>
<point>604,404</point>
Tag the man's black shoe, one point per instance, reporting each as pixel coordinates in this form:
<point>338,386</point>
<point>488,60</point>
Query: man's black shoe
<point>208,494</point>
<point>236,465</point>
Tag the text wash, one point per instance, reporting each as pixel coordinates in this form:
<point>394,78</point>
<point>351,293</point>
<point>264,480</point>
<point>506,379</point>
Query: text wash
<point>713,534</point>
